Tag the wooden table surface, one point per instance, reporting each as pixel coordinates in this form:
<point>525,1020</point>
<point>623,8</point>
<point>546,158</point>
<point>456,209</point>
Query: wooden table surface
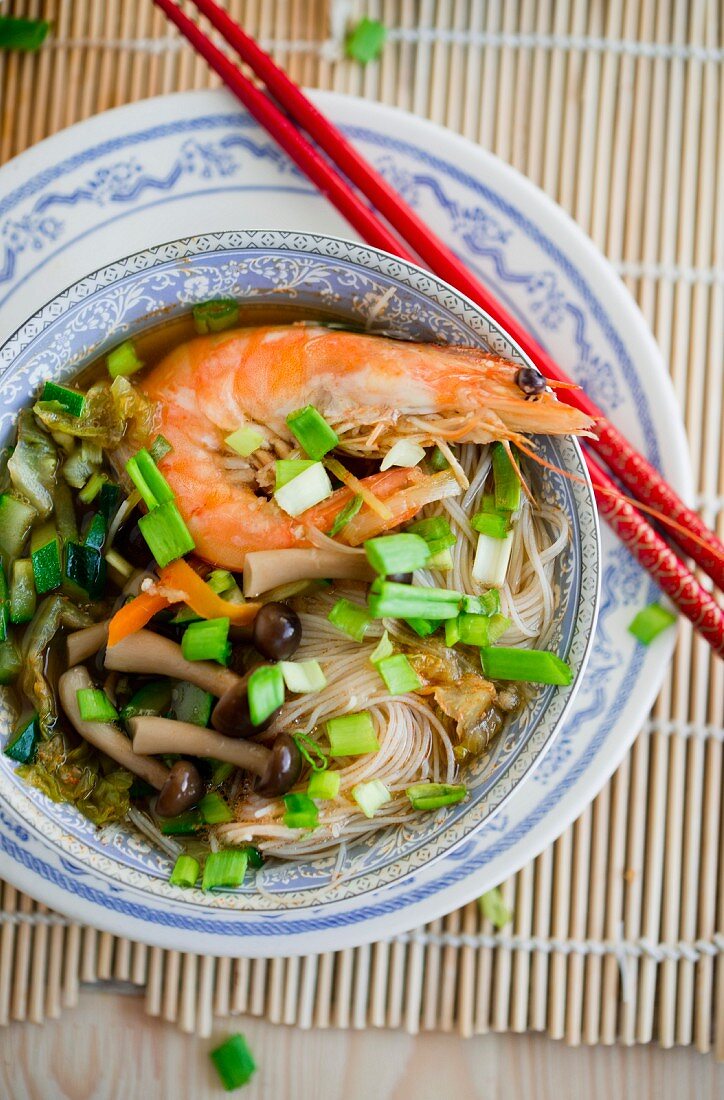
<point>108,1049</point>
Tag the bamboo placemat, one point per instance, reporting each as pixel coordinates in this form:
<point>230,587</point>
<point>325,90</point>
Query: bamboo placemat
<point>615,109</point>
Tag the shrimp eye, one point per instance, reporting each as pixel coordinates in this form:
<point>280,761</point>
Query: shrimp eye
<point>530,381</point>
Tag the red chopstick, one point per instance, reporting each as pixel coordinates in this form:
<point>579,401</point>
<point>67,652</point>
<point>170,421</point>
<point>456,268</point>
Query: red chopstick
<point>649,549</point>
<point>635,471</point>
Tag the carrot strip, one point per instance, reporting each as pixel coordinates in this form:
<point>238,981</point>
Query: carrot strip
<point>133,616</point>
<point>203,600</point>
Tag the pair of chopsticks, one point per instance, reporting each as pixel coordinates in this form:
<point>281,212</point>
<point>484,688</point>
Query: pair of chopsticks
<point>284,112</point>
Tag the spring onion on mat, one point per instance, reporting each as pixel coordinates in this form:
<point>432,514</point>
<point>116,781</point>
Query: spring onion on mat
<point>350,618</point>
<point>324,785</point>
<point>494,909</point>
<point>234,1062</point>
<point>648,623</point>
<point>215,316</point>
<point>397,553</point>
<point>207,640</point>
<point>224,870</point>
<point>185,871</point>
<point>352,734</point>
<point>371,796</point>
<point>364,43</point>
<point>265,692</point>
<point>123,360</point>
<point>244,441</point>
<point>432,796</point>
<point>398,674</point>
<point>17,33</point>
<point>534,666</point>
<point>95,706</point>
<point>301,813</point>
<point>314,435</point>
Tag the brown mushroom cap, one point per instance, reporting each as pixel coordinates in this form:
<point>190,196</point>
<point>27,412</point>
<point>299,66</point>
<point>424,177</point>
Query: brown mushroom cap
<point>283,769</point>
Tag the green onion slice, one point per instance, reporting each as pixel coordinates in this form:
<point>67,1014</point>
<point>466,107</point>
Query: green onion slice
<point>95,706</point>
<point>533,666</point>
<point>388,599</point>
<point>371,796</point>
<point>324,785</point>
<point>308,488</point>
<point>207,640</point>
<point>384,648</point>
<point>301,813</point>
<point>166,533</point>
<point>506,480</point>
<point>493,524</point>
<point>397,553</point>
<point>245,441</point>
<point>350,618</point>
<point>17,33</point>
<point>224,870</point>
<point>303,677</point>
<point>265,692</point>
<point>123,360</point>
<point>214,809</point>
<point>398,674</point>
<point>185,871</point>
<point>312,432</point>
<point>432,796</point>
<point>349,511</point>
<point>148,479</point>
<point>352,735</point>
<point>215,316</point>
<point>313,753</point>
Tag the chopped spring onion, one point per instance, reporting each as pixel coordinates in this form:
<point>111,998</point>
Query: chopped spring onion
<point>159,448</point>
<point>92,488</point>
<point>473,629</point>
<point>352,734</point>
<point>349,511</point>
<point>95,536</point>
<point>95,706</point>
<point>371,796</point>
<point>648,623</point>
<point>493,524</point>
<point>186,824</point>
<point>45,554</point>
<point>312,432</point>
<point>324,785</point>
<point>185,871</point>
<point>214,809</point>
<point>301,813</point>
<point>256,859</point>
<point>85,571</point>
<point>23,744</point>
<point>10,663</point>
<point>123,360</point>
<point>148,479</point>
<point>286,469</point>
<point>152,698</point>
<point>114,560</point>
<point>492,556</point>
<point>506,480</point>
<point>308,488</point>
<point>17,33</point>
<point>312,752</point>
<point>494,909</point>
<point>409,601</point>
<point>70,400</point>
<point>350,618</point>
<point>384,648</point>
<point>397,553</point>
<point>207,640</point>
<point>487,604</point>
<point>220,772</point>
<point>191,703</point>
<point>452,631</point>
<point>22,591</point>
<point>233,1062</point>
<point>365,41</point>
<point>442,560</point>
<point>219,581</point>
<point>225,870</point>
<point>432,796</point>
<point>422,627</point>
<point>497,626</point>
<point>244,441</point>
<point>436,532</point>
<point>16,518</point>
<point>533,666</point>
<point>303,677</point>
<point>398,674</point>
<point>438,461</point>
<point>265,692</point>
<point>215,316</point>
<point>403,453</point>
<point>166,534</point>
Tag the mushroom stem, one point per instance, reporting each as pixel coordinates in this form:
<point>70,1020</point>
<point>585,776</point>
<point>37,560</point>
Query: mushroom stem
<point>82,644</point>
<point>152,654</point>
<point>152,735</point>
<point>265,569</point>
<point>104,735</point>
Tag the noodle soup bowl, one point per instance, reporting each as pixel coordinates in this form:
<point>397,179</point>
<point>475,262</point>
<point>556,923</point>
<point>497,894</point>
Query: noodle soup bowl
<point>114,877</point>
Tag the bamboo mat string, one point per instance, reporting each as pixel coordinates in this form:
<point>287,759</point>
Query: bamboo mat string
<point>615,110</point>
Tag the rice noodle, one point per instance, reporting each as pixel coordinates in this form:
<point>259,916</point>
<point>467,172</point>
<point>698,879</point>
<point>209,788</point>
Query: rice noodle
<point>414,742</point>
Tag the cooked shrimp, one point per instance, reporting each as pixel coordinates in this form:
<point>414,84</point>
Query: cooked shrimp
<point>372,390</point>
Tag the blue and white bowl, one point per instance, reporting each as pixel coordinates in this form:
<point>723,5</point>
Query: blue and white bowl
<point>348,281</point>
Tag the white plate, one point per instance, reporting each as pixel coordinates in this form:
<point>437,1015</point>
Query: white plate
<point>193,163</point>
